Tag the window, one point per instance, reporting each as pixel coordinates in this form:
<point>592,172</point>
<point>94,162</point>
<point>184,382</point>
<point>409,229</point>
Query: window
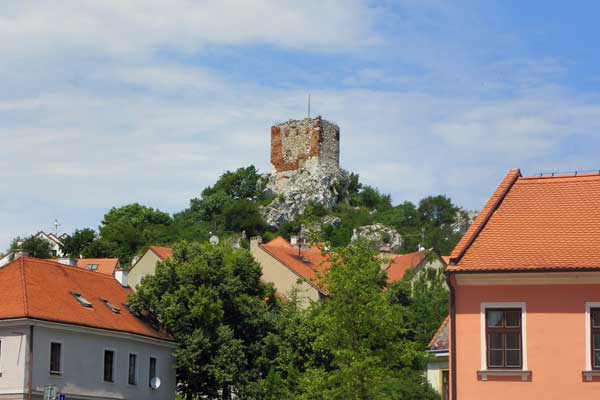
<point>131,376</point>
<point>55,358</point>
<point>503,338</point>
<point>113,308</point>
<point>82,300</point>
<point>151,370</point>
<point>91,267</point>
<point>109,365</point>
<point>595,336</point>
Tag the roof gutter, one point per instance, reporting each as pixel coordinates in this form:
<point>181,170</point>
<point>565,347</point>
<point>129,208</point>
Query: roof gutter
<point>452,347</point>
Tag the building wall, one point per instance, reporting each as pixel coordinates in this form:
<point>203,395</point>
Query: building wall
<point>83,363</point>
<point>285,281</point>
<point>145,266</point>
<point>434,372</point>
<point>13,361</point>
<point>556,342</point>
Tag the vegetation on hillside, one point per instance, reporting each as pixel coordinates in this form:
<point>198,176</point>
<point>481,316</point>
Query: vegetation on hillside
<point>231,207</point>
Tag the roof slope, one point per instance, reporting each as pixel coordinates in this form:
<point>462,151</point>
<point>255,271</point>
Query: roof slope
<point>439,341</point>
<point>42,289</point>
<point>308,264</point>
<point>162,252</point>
<point>535,223</point>
<point>402,263</point>
<point>106,266</point>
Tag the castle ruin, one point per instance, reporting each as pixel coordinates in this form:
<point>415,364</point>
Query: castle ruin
<point>307,143</point>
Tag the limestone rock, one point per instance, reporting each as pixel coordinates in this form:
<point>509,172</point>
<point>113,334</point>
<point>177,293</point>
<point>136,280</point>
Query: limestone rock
<point>379,235</point>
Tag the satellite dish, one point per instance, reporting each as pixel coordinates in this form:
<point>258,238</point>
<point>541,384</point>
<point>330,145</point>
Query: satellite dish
<point>155,383</point>
<point>214,239</point>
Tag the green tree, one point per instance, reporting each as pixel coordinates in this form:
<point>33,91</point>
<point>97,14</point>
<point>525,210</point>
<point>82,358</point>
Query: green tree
<point>132,227</point>
<point>211,300</point>
<point>240,184</point>
<point>74,244</point>
<point>364,332</point>
<point>425,296</point>
<point>33,246</point>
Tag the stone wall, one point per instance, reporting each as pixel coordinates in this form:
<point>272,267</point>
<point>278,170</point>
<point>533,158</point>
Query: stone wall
<point>304,143</point>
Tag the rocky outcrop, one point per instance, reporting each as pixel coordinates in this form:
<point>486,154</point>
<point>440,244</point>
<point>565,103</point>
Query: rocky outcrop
<point>379,236</point>
<point>297,190</point>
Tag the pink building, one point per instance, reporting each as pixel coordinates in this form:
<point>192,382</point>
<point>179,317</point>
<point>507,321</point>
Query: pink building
<point>525,293</point>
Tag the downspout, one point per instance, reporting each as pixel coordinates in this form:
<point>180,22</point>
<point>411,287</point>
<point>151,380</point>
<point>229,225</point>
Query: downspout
<point>29,397</point>
<point>452,349</point>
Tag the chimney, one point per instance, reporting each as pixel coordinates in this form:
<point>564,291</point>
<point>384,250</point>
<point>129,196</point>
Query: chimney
<point>254,242</point>
<point>122,277</point>
<point>294,240</point>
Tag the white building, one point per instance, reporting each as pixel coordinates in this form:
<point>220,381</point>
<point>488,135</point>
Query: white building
<point>71,328</point>
<point>55,242</point>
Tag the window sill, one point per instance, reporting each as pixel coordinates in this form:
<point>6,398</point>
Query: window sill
<point>588,376</point>
<point>524,375</point>
<point>54,374</point>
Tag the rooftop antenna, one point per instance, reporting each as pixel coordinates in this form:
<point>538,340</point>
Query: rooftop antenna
<point>56,225</point>
<point>309,105</point>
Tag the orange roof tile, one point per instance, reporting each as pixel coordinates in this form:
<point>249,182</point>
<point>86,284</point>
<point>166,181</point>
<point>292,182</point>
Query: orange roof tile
<point>162,252</point>
<point>104,266</point>
<point>439,341</point>
<point>42,290</point>
<point>535,223</point>
<point>402,263</point>
<point>308,265</point>
<point>445,259</point>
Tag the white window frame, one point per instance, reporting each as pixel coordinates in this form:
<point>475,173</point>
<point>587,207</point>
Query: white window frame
<point>114,366</point>
<point>588,334</point>
<point>56,374</point>
<point>483,338</point>
<point>137,368</point>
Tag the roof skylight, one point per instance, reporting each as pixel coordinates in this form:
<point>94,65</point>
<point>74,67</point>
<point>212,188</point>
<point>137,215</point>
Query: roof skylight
<point>91,267</point>
<point>111,307</point>
<point>82,300</point>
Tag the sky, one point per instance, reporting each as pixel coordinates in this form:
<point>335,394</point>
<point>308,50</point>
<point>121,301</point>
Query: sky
<point>108,103</point>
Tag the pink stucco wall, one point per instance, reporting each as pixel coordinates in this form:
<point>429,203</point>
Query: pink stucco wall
<point>556,335</point>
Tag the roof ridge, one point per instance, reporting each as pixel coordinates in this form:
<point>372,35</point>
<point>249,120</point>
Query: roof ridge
<point>488,210</point>
<point>68,267</point>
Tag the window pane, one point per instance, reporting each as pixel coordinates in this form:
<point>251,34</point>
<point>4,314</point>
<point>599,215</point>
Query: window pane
<point>132,367</point>
<point>151,370</point>
<point>108,366</point>
<point>513,319</point>
<point>513,341</point>
<point>495,318</point>
<point>495,340</point>
<point>496,358</point>
<point>597,359</point>
<point>513,358</point>
<point>55,349</point>
<point>596,318</point>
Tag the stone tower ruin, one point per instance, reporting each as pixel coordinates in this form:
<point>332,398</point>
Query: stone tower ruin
<point>307,143</point>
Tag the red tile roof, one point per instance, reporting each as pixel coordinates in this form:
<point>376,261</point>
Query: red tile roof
<point>42,290</point>
<point>439,341</point>
<point>535,223</point>
<point>402,263</point>
<point>162,252</point>
<point>308,265</point>
<point>106,266</point>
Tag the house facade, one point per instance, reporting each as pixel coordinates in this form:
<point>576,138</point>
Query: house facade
<point>525,293</point>
<point>438,373</point>
<point>146,264</point>
<point>71,329</point>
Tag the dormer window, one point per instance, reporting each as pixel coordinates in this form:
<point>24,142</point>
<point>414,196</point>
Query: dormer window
<point>92,267</point>
<point>111,307</point>
<point>82,300</point>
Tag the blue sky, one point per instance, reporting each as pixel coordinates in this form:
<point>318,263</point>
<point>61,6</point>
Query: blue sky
<point>108,103</point>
